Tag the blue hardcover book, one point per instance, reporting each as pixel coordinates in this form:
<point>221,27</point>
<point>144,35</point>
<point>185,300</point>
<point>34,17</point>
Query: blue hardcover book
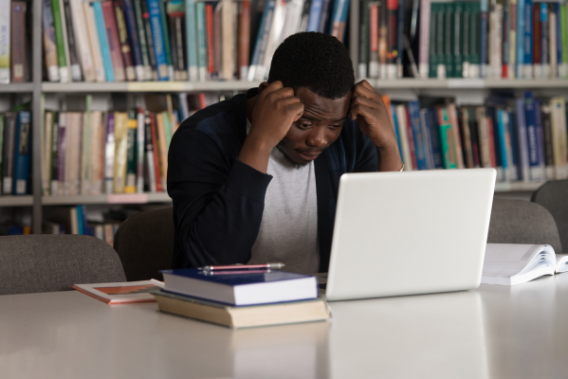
<point>103,40</point>
<point>315,15</point>
<point>241,286</point>
<point>520,38</point>
<point>325,16</point>
<point>432,125</point>
<point>395,125</point>
<point>536,171</point>
<point>254,62</point>
<point>134,40</point>
<point>158,39</point>
<point>191,41</point>
<point>528,40</point>
<point>22,153</point>
<point>502,141</point>
<point>201,40</point>
<point>483,42</point>
<point>419,137</point>
<point>80,218</point>
<point>523,168</point>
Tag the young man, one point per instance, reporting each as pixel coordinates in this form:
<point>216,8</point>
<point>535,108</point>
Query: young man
<point>255,178</point>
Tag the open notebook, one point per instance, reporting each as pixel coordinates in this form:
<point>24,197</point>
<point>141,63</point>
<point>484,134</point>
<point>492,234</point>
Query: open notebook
<point>511,264</point>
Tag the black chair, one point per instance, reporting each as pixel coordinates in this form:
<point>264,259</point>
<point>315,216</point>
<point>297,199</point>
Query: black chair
<point>553,195</point>
<point>519,221</point>
<point>145,244</point>
<point>47,263</point>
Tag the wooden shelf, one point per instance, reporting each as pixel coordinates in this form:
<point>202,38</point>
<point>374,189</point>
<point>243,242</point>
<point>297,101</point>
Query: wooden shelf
<point>16,87</point>
<point>83,87</point>
<point>16,201</point>
<point>138,198</point>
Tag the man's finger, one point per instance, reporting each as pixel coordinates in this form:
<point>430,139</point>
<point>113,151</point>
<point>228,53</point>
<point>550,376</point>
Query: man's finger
<point>369,93</point>
<point>367,102</point>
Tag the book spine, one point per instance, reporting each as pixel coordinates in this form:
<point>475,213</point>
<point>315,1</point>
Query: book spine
<point>457,43</point>
<point>453,115</point>
<point>528,41</point>
<point>158,39</point>
<point>69,35</point>
<point>523,168</point>
<point>181,65</point>
<point>446,139</point>
<point>210,42</point>
<point>94,169</point>
<point>201,41</point>
<point>140,150</point>
<point>545,41</point>
<point>150,41</point>
<point>465,42</point>
<point>433,53</point>
<point>49,47</point>
<point>475,45</point>
<point>324,16</point>
<point>536,38</point>
<point>125,50</point>
<point>559,41</point>
<point>166,39</point>
<point>93,35</point>
<point>419,137</point>
<point>257,46</point>
<point>157,154</point>
<point>483,137</point>
<point>265,41</point>
<point>163,147</point>
<point>493,153</point>
<point>410,135</point>
<point>103,41</point>
<point>86,147</point>
<point>374,40</point>
<point>18,43</point>
<point>540,139</point>
<point>505,46</point>
<point>244,38</point>
<point>9,149</point>
<point>131,138</point>
<point>392,35</point>
<point>217,43</point>
<point>400,40</point>
<point>440,59</point>
<point>383,36</point>
<point>548,142</point>
<point>363,39</point>
<point>174,46</point>
<point>149,152</point>
<point>425,38</point>
<point>467,145</point>
<point>315,15</point>
<point>22,157</point>
<point>120,151</point>
<point>483,38</point>
<point>339,19</point>
<point>498,42</point>
<point>5,39</point>
<point>83,45</point>
<point>2,131</point>
<point>560,141</point>
<point>520,38</point>
<point>448,40</point>
<point>502,141</point>
<point>564,34</point>
<point>109,153</point>
<point>191,40</point>
<point>511,174</point>
<point>141,31</point>
<point>405,148</point>
<point>46,150</point>
<point>511,70</point>
<point>61,150</point>
<point>428,143</point>
<point>228,58</point>
<point>113,41</point>
<point>134,39</point>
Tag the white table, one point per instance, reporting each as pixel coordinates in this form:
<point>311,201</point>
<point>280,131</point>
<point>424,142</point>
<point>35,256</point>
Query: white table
<point>492,332</point>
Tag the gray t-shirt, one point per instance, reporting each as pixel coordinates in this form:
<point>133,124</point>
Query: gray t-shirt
<point>288,231</point>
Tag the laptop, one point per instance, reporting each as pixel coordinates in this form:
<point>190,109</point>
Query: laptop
<point>408,233</point>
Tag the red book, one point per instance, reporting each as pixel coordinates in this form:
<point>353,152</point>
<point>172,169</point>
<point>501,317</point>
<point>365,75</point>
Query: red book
<point>411,139</point>
<point>202,103</point>
<point>244,38</point>
<point>156,156</point>
<point>113,41</point>
<point>536,35</point>
<point>209,33</point>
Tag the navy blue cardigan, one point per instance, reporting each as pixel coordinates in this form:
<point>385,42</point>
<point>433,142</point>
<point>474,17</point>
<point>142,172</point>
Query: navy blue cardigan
<point>218,200</point>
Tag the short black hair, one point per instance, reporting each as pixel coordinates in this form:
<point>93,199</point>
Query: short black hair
<point>316,61</point>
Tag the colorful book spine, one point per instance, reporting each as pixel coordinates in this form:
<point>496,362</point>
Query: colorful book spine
<point>131,157</point>
<point>506,44</point>
<point>109,153</point>
<point>502,141</point>
<point>559,138</point>
<point>392,35</point>
<point>552,41</point>
<point>62,53</point>
<point>140,150</point>
<point>5,39</point>
<point>446,139</point>
<point>528,41</point>
<point>49,46</point>
<point>18,43</point>
<point>149,152</point>
<point>536,38</point>
<point>373,39</point>
<point>113,41</point>
<point>98,65</point>
<point>484,26</point>
<point>404,143</point>
<point>134,39</point>
<point>83,45</point>
<point>210,42</point>
<point>120,151</point>
<point>419,136</point>
<point>244,39</point>
<point>520,38</point>
<point>262,40</point>
<point>103,41</point>
<point>124,41</point>
<point>315,16</point>
<point>191,40</point>
<point>166,39</point>
<point>22,153</point>
<point>74,62</point>
<point>150,41</point>
<point>201,41</point>
<point>158,39</point>
<point>141,31</point>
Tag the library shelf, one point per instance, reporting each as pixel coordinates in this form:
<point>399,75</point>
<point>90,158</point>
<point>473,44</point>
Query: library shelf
<point>517,186</point>
<point>16,201</point>
<point>16,87</point>
<point>84,87</point>
<point>458,83</point>
<point>135,198</point>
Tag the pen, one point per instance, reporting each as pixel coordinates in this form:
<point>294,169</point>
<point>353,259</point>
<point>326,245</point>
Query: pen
<point>240,267</point>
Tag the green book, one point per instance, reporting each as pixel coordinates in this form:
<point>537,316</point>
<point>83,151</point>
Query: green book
<point>433,53</point>
<point>440,38</point>
<point>142,39</point>
<point>167,128</point>
<point>166,34</point>
<point>60,41</point>
<point>474,46</point>
<point>449,39</point>
<point>458,40</point>
<point>564,32</point>
<point>131,158</point>
<point>447,139</point>
<point>465,39</point>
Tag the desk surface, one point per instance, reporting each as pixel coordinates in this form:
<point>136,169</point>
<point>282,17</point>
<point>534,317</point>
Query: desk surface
<point>492,332</point>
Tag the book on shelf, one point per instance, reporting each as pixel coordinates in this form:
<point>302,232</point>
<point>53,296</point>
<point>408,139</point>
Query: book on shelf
<point>237,317</point>
<point>241,287</point>
<point>510,264</point>
<point>121,292</point>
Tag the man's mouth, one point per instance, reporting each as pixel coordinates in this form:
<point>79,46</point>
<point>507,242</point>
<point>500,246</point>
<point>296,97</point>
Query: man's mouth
<point>308,155</point>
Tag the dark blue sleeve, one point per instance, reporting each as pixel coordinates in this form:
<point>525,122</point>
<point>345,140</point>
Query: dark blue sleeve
<point>366,159</point>
<point>218,202</point>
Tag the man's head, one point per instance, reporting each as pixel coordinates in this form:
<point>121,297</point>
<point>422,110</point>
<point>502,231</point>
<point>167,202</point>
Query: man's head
<point>319,69</point>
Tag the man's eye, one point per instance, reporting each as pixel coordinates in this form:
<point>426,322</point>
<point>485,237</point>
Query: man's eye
<point>304,125</point>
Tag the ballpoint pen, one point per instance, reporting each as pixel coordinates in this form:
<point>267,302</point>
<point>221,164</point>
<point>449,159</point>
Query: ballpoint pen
<point>243,267</point>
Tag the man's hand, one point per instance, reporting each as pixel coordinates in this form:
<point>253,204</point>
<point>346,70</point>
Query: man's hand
<point>275,110</point>
<point>368,108</point>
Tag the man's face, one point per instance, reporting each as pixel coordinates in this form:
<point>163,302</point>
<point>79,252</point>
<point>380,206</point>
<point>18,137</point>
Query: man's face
<point>319,126</point>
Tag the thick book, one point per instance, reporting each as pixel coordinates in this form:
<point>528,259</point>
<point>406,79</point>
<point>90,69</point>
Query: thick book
<point>22,153</point>
<point>191,40</point>
<point>121,292</point>
<point>158,39</point>
<point>559,137</point>
<point>61,40</point>
<point>49,45</point>
<point>141,30</point>
<point>124,40</point>
<point>5,39</point>
<point>536,172</point>
<point>103,41</point>
<point>149,41</point>
<point>18,44</point>
<point>510,264</point>
<point>241,287</point>
<point>446,138</point>
<point>70,42</point>
<point>82,40</point>
<point>134,39</point>
<point>243,316</point>
<point>132,128</point>
<point>120,151</point>
<point>93,34</point>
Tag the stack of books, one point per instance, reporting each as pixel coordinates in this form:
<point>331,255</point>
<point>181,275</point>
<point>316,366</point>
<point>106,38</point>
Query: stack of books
<point>138,40</point>
<point>525,138</point>
<point>242,298</point>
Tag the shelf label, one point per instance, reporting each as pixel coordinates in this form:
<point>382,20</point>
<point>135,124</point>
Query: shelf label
<point>134,198</point>
<point>466,83</point>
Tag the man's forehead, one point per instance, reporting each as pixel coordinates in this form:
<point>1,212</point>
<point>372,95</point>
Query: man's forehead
<point>321,106</point>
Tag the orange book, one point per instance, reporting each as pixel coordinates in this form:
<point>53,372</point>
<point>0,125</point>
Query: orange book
<point>209,29</point>
<point>163,147</point>
<point>121,292</point>
<point>244,38</point>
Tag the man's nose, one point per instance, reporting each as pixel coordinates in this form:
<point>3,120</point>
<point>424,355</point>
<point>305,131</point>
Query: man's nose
<point>317,137</point>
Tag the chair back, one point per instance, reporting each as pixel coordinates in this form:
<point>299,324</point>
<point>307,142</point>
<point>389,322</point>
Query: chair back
<point>145,244</point>
<point>51,262</point>
<point>520,221</point>
<point>553,195</point>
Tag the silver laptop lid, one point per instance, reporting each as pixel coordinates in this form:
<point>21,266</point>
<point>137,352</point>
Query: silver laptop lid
<point>409,233</point>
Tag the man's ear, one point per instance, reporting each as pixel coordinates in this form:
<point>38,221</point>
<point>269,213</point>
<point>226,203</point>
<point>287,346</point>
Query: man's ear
<point>262,86</point>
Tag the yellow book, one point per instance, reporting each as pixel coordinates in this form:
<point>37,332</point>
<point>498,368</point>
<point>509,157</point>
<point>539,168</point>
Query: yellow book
<point>163,147</point>
<point>132,126</point>
<point>120,147</point>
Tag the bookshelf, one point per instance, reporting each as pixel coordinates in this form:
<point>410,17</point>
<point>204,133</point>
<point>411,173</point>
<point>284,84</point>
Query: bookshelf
<point>37,87</point>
